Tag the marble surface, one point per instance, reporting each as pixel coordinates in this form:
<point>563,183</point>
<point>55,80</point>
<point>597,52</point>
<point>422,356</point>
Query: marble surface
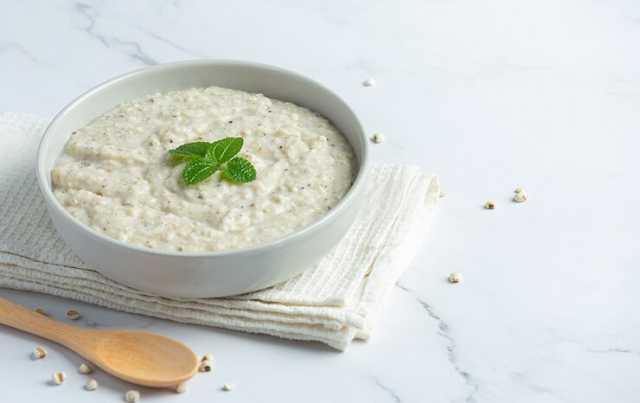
<point>491,95</point>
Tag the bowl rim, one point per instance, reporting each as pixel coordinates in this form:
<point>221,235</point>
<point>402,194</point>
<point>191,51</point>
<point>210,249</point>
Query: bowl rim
<point>348,199</point>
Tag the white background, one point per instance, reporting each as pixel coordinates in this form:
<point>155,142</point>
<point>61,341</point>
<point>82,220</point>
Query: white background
<point>490,95</point>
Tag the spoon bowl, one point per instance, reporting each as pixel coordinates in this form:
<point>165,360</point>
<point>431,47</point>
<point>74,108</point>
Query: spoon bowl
<point>146,358</point>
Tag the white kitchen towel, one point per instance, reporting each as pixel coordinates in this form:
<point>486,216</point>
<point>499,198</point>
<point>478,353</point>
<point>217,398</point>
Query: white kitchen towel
<point>333,302</point>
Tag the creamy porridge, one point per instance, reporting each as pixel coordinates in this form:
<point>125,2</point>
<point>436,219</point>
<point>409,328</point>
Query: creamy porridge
<point>116,175</point>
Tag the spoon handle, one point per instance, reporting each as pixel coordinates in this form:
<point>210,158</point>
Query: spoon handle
<point>19,317</point>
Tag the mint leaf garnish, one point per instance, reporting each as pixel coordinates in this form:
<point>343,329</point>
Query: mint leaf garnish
<point>187,152</point>
<point>225,149</point>
<point>198,170</point>
<point>203,159</point>
<point>240,170</point>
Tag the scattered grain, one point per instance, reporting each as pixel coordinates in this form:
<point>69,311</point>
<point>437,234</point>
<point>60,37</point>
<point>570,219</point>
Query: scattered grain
<point>132,396</point>
<point>73,315</point>
<point>455,277</point>
<point>91,384</point>
<point>59,378</point>
<point>205,366</point>
<point>520,196</point>
<point>85,369</point>
<point>379,138</point>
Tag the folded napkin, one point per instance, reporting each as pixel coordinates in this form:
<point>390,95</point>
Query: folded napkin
<point>333,302</point>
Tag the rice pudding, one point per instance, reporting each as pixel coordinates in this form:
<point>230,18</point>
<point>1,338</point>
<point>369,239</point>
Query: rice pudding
<point>116,174</point>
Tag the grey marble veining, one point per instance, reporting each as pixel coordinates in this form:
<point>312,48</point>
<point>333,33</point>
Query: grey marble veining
<point>443,331</point>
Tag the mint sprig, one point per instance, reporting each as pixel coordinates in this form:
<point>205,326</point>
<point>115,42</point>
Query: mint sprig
<point>204,159</point>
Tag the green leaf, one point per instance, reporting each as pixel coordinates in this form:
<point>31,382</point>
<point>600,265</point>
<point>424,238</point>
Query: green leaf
<point>198,170</point>
<point>189,151</point>
<point>223,150</point>
<point>204,159</point>
<point>240,170</point>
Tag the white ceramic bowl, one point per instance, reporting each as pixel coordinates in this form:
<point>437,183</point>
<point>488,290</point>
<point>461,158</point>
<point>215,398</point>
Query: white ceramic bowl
<point>205,274</point>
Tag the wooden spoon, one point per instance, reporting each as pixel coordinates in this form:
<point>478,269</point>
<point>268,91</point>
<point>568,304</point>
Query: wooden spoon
<point>138,357</point>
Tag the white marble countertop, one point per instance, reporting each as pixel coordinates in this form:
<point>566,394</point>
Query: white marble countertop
<point>491,95</point>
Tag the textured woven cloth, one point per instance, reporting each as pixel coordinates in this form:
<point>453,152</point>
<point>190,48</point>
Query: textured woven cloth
<point>333,302</point>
